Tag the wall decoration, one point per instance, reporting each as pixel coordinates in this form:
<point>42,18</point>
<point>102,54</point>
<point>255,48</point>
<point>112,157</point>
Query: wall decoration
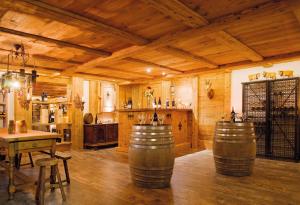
<point>79,102</point>
<point>149,95</point>
<point>210,92</point>
<point>286,73</point>
<point>24,97</point>
<point>108,97</point>
<point>253,77</point>
<point>269,75</point>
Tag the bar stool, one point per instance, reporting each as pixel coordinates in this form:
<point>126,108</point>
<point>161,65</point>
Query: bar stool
<point>40,190</point>
<point>64,156</point>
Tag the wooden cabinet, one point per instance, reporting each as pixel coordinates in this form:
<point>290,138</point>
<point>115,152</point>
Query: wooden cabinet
<point>100,134</point>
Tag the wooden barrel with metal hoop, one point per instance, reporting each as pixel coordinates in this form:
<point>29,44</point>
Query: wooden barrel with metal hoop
<point>151,155</point>
<point>88,118</point>
<point>234,148</point>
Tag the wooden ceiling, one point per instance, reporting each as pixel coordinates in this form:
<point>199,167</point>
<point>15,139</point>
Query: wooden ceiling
<point>121,39</point>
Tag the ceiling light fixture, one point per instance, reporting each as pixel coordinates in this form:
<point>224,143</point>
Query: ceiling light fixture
<point>18,81</point>
<point>148,70</point>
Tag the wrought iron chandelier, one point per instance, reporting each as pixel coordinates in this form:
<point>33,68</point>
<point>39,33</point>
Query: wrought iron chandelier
<point>19,82</point>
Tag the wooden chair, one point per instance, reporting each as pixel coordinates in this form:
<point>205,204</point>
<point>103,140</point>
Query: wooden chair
<point>64,157</point>
<point>40,190</point>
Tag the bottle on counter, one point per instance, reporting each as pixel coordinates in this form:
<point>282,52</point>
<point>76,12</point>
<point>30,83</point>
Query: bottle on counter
<point>155,118</point>
<point>159,103</point>
<point>167,103</point>
<point>96,119</point>
<point>232,115</point>
<point>43,97</point>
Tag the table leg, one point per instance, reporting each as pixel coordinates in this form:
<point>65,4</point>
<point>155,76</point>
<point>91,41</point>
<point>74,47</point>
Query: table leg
<point>11,185</point>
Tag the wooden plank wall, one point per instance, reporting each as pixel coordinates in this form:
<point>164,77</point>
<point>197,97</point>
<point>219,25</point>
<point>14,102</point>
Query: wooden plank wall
<point>211,110</point>
<point>77,117</point>
<point>94,101</point>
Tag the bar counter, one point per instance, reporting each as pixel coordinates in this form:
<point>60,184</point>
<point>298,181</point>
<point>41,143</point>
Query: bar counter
<point>181,121</point>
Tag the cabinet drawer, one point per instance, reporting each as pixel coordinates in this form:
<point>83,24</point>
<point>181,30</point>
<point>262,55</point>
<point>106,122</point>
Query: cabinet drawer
<point>33,144</point>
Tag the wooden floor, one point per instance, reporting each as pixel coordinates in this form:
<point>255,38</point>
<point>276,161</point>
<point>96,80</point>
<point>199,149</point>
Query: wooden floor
<point>102,177</point>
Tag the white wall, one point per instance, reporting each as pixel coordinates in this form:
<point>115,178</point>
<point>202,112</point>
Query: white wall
<point>86,96</point>
<point>239,76</point>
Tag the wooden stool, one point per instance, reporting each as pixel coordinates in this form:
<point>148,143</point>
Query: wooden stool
<point>65,157</point>
<point>40,190</point>
<point>19,158</point>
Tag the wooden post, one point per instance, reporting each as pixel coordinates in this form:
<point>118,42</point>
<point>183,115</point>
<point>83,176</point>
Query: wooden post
<point>77,115</point>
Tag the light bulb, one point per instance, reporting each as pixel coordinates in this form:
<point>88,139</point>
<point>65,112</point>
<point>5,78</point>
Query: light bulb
<point>16,84</point>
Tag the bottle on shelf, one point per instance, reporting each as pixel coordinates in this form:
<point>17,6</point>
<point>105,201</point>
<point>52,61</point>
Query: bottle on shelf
<point>159,103</point>
<point>155,118</point>
<point>129,104</point>
<point>232,115</point>
<point>154,103</point>
<point>51,117</point>
<point>167,103</point>
<point>173,103</point>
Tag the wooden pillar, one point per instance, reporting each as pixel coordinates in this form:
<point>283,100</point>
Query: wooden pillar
<point>94,104</point>
<point>77,115</point>
<point>212,110</point>
<point>195,129</point>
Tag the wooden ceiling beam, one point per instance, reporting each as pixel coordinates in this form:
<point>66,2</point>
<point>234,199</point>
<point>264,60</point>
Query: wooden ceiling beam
<point>218,24</point>
<point>110,69</point>
<point>188,56</point>
<point>295,7</point>
<point>45,10</point>
<point>226,39</point>
<point>147,63</point>
<point>100,77</point>
<point>54,41</point>
<point>189,17</point>
<point>178,11</point>
<point>266,62</point>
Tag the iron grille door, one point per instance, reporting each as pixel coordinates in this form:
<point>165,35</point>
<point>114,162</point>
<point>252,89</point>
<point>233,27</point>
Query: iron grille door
<point>284,118</point>
<point>255,108</point>
<point>273,107</point>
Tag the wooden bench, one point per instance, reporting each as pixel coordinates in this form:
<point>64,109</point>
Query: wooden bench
<point>65,157</point>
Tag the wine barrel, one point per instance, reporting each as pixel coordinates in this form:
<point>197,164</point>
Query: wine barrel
<point>88,118</point>
<point>234,148</point>
<point>151,155</point>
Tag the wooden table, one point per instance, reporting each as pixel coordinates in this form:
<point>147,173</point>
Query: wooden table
<point>26,142</point>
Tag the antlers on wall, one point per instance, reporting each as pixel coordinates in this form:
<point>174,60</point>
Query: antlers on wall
<point>209,90</point>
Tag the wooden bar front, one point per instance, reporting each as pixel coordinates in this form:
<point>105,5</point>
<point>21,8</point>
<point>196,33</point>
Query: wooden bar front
<point>181,121</point>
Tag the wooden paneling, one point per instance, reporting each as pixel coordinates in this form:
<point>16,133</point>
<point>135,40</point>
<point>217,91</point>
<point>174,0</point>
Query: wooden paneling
<point>212,110</point>
<point>179,119</point>
<point>94,101</point>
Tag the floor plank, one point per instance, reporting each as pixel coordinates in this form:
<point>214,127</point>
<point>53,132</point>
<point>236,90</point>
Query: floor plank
<point>103,177</point>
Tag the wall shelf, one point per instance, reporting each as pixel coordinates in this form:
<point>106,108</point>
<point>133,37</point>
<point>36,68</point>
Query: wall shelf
<point>51,103</point>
